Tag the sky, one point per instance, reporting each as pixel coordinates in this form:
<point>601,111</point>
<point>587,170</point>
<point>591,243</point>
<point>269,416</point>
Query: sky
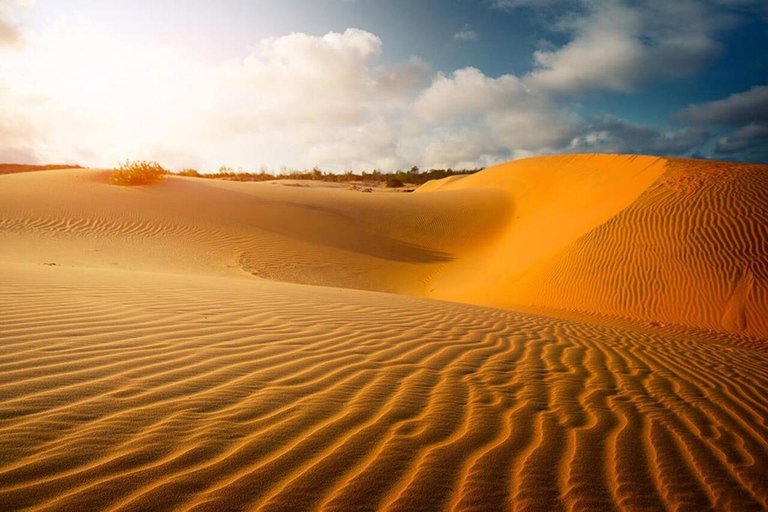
<point>379,84</point>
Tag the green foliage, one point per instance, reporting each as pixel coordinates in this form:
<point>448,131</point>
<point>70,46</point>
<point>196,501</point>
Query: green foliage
<point>394,183</point>
<point>138,172</point>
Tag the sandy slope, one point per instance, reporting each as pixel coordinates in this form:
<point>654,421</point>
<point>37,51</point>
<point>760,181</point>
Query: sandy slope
<point>143,366</point>
<point>132,390</point>
<point>324,236</point>
<point>673,241</point>
<point>645,238</point>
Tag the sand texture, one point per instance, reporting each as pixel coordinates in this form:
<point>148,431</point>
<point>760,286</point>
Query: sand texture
<point>559,333</point>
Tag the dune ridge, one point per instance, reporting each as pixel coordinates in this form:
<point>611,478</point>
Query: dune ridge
<point>645,238</point>
<point>693,249</point>
<point>650,239</point>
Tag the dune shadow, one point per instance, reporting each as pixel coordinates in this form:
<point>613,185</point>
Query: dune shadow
<point>321,225</point>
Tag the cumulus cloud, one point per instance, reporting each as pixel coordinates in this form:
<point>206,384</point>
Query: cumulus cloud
<point>486,120</point>
<point>302,100</point>
<point>505,110</point>
<point>323,96</point>
<point>737,109</point>
<point>292,100</point>
<point>617,45</point>
<point>299,79</point>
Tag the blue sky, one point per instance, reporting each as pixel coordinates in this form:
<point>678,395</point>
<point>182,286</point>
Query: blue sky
<point>380,83</point>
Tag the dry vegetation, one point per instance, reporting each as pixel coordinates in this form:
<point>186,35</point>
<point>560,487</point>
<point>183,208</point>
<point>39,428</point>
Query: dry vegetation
<point>395,179</point>
<point>138,172</point>
<point>16,168</point>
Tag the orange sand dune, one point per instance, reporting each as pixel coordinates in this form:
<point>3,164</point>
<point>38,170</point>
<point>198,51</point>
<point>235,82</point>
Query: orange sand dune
<point>645,238</point>
<point>663,240</point>
<point>151,360</point>
<point>324,236</point>
<point>132,391</point>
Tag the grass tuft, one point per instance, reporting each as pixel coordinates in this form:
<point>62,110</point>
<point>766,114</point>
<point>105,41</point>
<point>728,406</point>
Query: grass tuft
<point>138,172</point>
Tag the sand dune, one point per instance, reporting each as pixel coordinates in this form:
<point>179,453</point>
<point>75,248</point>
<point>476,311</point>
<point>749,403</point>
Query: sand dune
<point>151,359</point>
<point>673,241</point>
<point>650,239</point>
<point>330,237</point>
<point>133,390</point>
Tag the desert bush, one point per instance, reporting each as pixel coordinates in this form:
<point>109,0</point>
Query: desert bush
<point>138,172</point>
<point>190,173</point>
<point>394,183</point>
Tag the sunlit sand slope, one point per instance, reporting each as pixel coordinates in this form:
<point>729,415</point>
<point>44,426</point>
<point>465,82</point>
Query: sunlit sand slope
<point>693,249</point>
<point>126,390</point>
<point>329,237</point>
<point>650,239</point>
<point>658,240</point>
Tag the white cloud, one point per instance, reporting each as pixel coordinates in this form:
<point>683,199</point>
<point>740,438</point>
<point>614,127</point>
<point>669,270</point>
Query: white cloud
<point>617,45</point>
<point>76,93</point>
<point>467,92</point>
<point>298,100</point>
<point>466,34</point>
<point>509,115</point>
<point>103,98</point>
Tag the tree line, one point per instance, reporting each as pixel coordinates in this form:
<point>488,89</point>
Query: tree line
<point>414,176</point>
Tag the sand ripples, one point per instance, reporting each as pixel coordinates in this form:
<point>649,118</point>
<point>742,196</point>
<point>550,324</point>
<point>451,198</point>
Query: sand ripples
<point>144,391</point>
<point>693,249</point>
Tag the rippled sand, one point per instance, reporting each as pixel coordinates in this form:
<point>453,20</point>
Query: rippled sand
<point>145,365</point>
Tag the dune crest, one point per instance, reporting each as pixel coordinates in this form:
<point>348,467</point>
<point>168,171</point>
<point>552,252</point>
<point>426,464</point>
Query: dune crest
<point>669,240</point>
<point>644,238</point>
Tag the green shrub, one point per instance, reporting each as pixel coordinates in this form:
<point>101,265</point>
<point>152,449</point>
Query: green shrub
<point>139,172</point>
<point>394,183</point>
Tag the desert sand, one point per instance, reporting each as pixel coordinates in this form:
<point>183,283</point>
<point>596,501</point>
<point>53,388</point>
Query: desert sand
<point>574,332</point>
